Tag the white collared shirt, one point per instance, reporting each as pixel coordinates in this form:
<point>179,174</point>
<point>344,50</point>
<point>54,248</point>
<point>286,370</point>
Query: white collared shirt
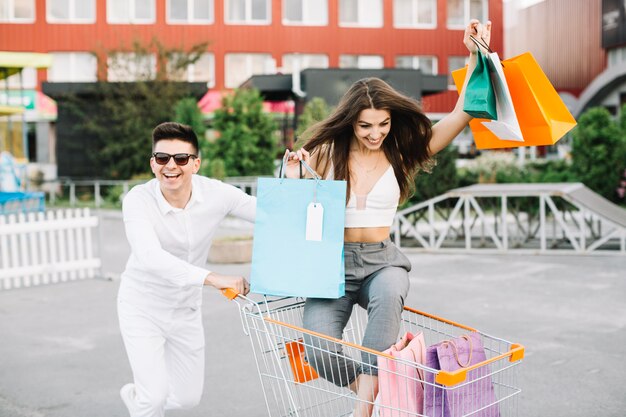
<point>169,246</point>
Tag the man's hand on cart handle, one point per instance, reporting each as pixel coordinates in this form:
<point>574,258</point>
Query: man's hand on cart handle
<point>222,282</point>
<point>230,293</point>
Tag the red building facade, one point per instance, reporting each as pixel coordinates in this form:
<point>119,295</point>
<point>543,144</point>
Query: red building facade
<point>246,37</point>
<point>92,40</point>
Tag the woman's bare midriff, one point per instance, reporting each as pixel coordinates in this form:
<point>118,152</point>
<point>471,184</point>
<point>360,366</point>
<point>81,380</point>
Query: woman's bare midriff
<point>365,234</point>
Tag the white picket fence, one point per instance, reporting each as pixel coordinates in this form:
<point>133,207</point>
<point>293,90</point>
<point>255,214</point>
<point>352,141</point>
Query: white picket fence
<point>43,248</point>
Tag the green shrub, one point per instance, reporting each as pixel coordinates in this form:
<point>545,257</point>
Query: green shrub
<point>314,111</point>
<point>512,173</point>
<point>186,111</point>
<point>467,176</point>
<point>442,178</point>
<point>502,167</point>
<point>490,167</point>
<point>550,171</point>
<point>217,169</point>
<point>599,152</point>
<point>247,140</point>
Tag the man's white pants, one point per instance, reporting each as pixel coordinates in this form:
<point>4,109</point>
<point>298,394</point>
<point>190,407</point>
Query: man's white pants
<point>165,348</point>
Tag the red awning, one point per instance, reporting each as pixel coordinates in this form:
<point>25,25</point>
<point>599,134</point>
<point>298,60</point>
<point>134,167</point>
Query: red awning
<point>212,101</point>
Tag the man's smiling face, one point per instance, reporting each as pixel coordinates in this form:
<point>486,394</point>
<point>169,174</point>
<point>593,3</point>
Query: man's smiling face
<point>174,179</point>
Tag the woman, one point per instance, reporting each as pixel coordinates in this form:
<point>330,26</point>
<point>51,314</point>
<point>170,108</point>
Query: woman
<point>377,140</point>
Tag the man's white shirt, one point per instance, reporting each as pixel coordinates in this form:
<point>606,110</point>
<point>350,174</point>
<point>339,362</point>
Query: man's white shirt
<point>169,246</point>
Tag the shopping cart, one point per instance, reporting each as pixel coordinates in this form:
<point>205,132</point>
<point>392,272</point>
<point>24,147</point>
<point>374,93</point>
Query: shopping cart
<point>292,387</point>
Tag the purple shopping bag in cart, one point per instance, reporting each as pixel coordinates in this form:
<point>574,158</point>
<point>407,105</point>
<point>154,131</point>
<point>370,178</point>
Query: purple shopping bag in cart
<point>475,393</point>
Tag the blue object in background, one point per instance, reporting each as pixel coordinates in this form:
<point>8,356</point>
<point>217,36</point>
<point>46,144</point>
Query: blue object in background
<point>21,202</point>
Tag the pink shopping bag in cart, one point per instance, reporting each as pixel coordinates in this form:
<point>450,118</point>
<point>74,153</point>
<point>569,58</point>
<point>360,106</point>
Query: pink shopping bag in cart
<point>475,393</point>
<point>401,391</point>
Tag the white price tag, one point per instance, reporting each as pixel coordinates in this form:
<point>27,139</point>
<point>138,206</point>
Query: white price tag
<point>314,221</point>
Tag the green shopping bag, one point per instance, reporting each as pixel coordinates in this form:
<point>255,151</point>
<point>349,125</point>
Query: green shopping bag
<point>480,97</point>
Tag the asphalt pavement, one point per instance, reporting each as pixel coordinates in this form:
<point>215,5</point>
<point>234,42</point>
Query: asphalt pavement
<point>61,354</point>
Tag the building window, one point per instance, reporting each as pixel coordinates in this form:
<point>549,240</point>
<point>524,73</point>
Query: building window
<point>203,70</point>
<point>455,63</point>
<point>303,61</point>
<point>130,11</point>
<point>189,11</point>
<point>305,12</point>
<point>248,12</point>
<point>129,66</point>
<point>419,14</point>
<point>361,13</point>
<point>361,61</point>
<point>460,12</point>
<point>17,11</point>
<point>71,11</point>
<point>28,80</point>
<point>73,67</point>
<point>428,64</point>
<point>239,67</point>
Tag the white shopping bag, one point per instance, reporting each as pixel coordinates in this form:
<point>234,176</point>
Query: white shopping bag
<point>506,127</point>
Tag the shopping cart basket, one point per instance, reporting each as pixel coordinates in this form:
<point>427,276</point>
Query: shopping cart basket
<point>292,387</point>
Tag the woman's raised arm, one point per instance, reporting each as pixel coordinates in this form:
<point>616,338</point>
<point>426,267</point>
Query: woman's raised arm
<point>450,126</point>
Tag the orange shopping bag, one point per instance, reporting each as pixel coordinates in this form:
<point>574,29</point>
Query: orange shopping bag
<point>302,371</point>
<point>542,115</point>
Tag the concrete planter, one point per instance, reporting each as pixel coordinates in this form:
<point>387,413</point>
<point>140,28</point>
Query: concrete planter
<point>231,250</point>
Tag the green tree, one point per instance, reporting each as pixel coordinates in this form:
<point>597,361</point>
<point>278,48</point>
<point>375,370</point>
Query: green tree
<point>118,117</point>
<point>622,119</point>
<point>186,111</point>
<point>599,152</point>
<point>314,111</point>
<point>171,62</point>
<point>247,141</point>
<point>442,178</point>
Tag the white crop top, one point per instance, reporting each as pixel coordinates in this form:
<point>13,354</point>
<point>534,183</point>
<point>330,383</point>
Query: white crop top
<point>378,207</point>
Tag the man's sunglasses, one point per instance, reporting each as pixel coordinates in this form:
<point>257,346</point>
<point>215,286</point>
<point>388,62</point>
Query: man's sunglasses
<point>163,158</point>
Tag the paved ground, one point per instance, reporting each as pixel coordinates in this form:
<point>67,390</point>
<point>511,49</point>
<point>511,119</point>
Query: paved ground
<point>61,354</point>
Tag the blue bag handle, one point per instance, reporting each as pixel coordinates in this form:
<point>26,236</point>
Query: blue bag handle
<point>316,176</point>
<point>283,164</point>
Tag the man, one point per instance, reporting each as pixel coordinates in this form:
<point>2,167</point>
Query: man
<point>170,222</point>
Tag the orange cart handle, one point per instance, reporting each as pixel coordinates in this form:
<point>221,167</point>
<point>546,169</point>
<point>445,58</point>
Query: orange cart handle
<point>452,378</point>
<point>515,353</point>
<point>432,316</point>
<point>230,293</point>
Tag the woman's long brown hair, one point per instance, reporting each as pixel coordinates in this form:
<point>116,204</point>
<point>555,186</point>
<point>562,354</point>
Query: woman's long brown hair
<point>406,144</point>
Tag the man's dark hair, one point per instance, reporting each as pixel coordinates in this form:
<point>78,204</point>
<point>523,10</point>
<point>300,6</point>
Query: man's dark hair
<point>173,130</point>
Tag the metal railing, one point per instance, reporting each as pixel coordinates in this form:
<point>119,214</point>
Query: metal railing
<point>514,218</point>
<point>56,189</point>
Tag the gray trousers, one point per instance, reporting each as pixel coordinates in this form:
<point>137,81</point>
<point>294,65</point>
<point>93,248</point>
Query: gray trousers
<point>377,278</point>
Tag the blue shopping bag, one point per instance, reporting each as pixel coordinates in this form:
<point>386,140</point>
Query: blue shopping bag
<point>284,261</point>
